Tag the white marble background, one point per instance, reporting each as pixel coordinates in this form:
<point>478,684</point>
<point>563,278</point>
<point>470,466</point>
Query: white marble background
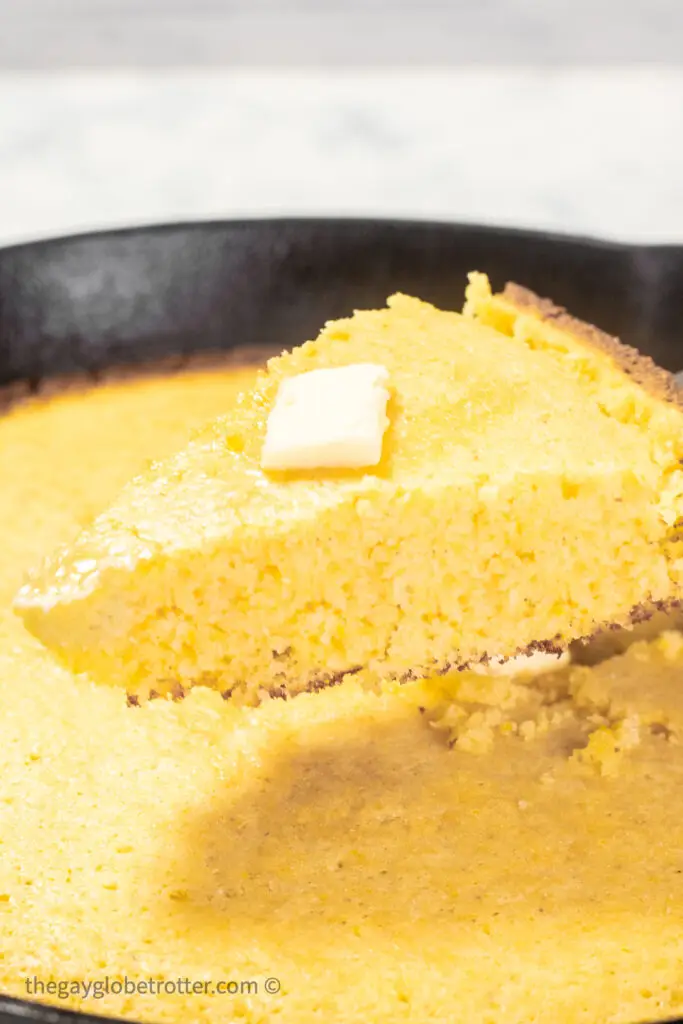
<point>596,151</point>
<point>560,114</point>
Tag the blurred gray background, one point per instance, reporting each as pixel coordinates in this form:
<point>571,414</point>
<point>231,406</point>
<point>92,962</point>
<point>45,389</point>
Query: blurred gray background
<point>59,33</point>
<point>564,115</point>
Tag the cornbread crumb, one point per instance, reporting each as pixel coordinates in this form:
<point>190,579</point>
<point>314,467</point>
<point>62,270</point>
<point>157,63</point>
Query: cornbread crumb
<point>670,645</point>
<point>607,745</point>
<point>473,732</point>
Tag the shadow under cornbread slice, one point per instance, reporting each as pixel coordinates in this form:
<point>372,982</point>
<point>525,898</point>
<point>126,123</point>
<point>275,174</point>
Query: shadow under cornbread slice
<point>526,495</point>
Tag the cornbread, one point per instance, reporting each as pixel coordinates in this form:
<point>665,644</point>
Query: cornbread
<point>515,435</point>
<point>426,852</point>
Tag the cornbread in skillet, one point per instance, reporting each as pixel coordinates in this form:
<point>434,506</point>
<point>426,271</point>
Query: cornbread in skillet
<point>512,852</point>
<point>513,441</point>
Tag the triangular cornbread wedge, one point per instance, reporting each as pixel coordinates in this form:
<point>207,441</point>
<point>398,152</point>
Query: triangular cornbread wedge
<point>526,495</point>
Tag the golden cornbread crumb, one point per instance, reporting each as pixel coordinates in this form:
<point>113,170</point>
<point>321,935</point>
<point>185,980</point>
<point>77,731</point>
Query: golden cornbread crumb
<point>607,745</point>
<point>670,646</point>
<point>519,312</point>
<point>515,435</point>
<point>334,841</point>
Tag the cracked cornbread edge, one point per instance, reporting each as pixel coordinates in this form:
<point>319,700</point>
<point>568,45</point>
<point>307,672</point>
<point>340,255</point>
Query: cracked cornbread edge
<point>640,369</point>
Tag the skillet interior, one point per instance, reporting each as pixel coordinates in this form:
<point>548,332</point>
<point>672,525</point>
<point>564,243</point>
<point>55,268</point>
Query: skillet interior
<point>84,304</point>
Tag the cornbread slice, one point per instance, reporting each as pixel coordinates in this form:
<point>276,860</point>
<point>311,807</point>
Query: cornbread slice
<point>527,493</point>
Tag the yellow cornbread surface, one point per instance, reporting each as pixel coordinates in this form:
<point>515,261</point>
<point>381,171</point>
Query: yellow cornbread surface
<point>524,495</point>
<point>339,843</point>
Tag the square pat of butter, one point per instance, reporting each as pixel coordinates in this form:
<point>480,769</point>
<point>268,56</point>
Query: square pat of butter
<point>331,418</point>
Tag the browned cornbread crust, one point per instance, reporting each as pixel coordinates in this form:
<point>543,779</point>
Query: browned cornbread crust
<point>638,614</point>
<point>640,368</point>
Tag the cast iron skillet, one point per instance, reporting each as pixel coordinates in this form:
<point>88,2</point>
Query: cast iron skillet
<point>83,304</point>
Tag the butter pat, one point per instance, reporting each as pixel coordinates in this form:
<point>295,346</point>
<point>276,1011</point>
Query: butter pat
<point>328,419</point>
